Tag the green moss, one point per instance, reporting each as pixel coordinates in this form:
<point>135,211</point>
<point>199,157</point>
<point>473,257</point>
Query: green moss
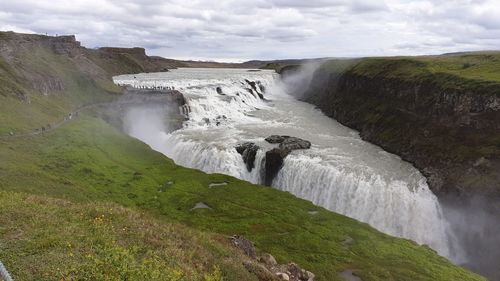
<point>478,66</point>
<point>89,161</point>
<point>475,71</point>
<point>23,109</point>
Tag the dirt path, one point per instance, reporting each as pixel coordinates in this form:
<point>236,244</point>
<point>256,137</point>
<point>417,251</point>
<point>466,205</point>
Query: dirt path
<point>51,127</point>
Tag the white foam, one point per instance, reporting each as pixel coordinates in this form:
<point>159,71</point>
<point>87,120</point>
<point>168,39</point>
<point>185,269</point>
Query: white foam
<point>340,172</point>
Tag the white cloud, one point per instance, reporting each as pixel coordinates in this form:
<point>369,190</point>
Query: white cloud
<point>265,29</point>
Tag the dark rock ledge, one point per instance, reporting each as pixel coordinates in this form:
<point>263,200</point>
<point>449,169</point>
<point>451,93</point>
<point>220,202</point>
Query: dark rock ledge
<point>275,157</point>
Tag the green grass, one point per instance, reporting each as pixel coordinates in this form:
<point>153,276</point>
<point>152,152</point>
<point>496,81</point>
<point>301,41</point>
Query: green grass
<point>37,110</point>
<point>468,71</point>
<point>89,161</point>
<point>53,239</point>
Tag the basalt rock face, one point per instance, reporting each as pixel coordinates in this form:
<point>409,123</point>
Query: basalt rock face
<point>256,88</point>
<point>274,163</point>
<point>274,159</point>
<point>276,156</point>
<point>166,103</point>
<point>248,150</point>
<point>293,143</point>
<point>449,130</point>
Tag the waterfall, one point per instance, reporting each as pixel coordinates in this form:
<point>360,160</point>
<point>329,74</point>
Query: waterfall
<point>340,172</point>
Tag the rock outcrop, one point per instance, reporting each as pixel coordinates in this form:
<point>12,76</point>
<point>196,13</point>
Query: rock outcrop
<point>273,161</point>
<point>256,88</point>
<point>441,123</point>
<point>248,151</point>
<point>275,157</point>
<point>169,103</point>
<point>266,268</point>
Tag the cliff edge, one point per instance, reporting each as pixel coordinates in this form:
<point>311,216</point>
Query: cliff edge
<point>440,113</point>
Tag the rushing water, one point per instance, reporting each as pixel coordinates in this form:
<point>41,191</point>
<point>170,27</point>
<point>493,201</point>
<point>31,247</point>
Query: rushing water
<point>340,172</point>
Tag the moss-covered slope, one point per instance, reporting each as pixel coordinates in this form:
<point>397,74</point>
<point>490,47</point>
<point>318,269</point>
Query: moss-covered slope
<point>52,239</point>
<point>89,161</point>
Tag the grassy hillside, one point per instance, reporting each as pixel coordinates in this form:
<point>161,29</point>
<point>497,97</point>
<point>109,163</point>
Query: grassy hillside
<point>52,239</point>
<point>478,71</point>
<point>39,87</point>
<point>88,161</point>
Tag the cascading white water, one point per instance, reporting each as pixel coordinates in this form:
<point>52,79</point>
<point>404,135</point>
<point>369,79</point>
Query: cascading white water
<point>340,172</point>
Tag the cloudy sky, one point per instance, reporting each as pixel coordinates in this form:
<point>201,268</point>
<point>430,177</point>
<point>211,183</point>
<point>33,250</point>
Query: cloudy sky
<point>235,30</point>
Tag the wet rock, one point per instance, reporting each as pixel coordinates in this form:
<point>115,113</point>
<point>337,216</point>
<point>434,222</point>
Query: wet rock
<point>245,245</point>
<point>251,92</point>
<point>256,86</point>
<point>248,151</point>
<point>288,142</point>
<point>276,139</point>
<point>252,84</point>
<point>275,157</point>
<point>261,87</point>
<point>274,162</point>
<point>293,143</point>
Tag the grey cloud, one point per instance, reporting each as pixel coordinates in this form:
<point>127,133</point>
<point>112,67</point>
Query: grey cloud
<point>265,29</point>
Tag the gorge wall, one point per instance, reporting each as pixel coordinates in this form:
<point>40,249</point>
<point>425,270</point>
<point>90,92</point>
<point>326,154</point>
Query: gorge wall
<point>447,126</point>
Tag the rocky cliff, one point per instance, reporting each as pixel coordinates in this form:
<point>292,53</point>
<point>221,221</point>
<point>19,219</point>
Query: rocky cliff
<point>42,78</point>
<point>440,113</point>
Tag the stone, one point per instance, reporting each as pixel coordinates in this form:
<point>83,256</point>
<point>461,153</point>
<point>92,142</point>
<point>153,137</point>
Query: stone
<point>216,184</point>
<point>283,276</point>
<point>275,157</point>
<point>248,151</point>
<point>200,205</point>
<point>252,84</point>
<point>245,245</point>
<point>310,276</point>
<point>276,139</point>
<point>260,271</point>
<point>293,143</point>
<point>268,260</point>
<point>299,273</point>
<point>274,163</point>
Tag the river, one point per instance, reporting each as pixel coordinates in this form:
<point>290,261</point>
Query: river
<point>340,172</point>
